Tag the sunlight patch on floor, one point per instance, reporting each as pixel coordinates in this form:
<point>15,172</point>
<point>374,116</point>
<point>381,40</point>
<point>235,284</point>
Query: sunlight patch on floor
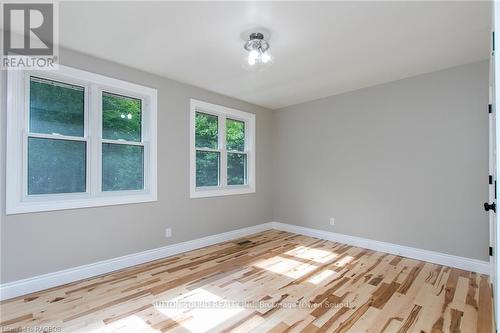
<point>204,309</point>
<point>344,261</point>
<point>317,255</point>
<point>288,267</point>
<point>128,324</point>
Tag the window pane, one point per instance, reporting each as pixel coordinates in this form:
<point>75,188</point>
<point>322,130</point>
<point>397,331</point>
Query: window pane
<point>235,135</point>
<point>56,108</point>
<point>121,117</point>
<point>236,169</point>
<point>122,167</point>
<point>206,131</point>
<point>207,168</point>
<point>56,166</point>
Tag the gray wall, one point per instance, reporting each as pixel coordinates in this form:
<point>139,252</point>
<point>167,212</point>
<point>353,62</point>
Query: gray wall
<point>404,162</point>
<point>33,244</point>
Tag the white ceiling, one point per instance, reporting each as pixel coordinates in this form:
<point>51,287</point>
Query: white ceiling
<point>320,48</point>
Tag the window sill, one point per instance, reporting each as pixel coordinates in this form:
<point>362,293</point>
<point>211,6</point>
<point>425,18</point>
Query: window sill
<point>22,207</point>
<point>219,192</point>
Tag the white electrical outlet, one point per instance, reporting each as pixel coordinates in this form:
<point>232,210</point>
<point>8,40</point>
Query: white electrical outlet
<point>168,232</point>
<point>332,221</point>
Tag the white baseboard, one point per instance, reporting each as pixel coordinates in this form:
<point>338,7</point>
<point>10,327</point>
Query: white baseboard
<point>468,264</point>
<point>45,281</point>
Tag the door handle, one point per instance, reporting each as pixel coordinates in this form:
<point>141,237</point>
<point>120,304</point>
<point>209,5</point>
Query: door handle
<point>488,206</point>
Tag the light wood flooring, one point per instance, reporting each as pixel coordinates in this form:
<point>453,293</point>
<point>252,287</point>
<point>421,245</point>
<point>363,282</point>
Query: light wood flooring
<point>273,282</point>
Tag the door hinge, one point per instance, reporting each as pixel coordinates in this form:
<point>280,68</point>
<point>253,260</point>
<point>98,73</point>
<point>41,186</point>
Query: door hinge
<point>493,41</point>
<point>491,251</point>
<point>490,108</point>
<point>490,179</point>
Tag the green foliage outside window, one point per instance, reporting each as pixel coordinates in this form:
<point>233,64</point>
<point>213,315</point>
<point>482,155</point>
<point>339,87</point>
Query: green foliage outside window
<point>208,163</point>
<point>58,166</point>
<point>236,163</point>
<point>206,131</point>
<point>207,168</point>
<point>121,117</point>
<point>236,169</point>
<point>207,136</point>
<point>56,108</point>
<point>235,135</point>
<point>122,167</point>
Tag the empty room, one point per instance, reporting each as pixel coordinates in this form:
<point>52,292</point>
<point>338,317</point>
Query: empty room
<point>244,166</point>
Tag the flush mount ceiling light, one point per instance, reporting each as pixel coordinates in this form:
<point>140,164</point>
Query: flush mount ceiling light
<point>258,50</point>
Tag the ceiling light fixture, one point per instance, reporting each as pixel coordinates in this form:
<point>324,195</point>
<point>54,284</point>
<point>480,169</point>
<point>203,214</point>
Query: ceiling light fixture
<point>257,48</point>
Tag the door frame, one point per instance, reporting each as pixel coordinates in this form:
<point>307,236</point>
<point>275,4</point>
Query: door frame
<point>494,158</point>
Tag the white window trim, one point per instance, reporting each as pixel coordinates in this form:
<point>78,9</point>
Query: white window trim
<point>222,112</point>
<point>17,200</point>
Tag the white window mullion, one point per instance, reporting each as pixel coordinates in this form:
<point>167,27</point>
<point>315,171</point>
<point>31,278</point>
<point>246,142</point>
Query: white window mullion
<point>248,148</point>
<point>146,169</point>
<point>87,119</point>
<point>94,135</point>
<point>145,132</point>
<point>24,172</point>
<point>25,77</point>
<point>56,137</point>
<point>123,142</point>
<point>223,151</point>
<point>25,128</point>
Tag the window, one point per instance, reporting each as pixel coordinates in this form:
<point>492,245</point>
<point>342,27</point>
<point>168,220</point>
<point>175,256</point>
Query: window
<point>222,150</point>
<point>78,139</point>
<point>122,145</point>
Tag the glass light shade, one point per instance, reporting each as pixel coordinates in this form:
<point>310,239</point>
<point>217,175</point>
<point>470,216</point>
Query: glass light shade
<point>265,57</point>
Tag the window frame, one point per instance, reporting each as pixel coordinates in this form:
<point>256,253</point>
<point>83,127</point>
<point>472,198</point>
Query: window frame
<point>28,134</point>
<point>222,113</point>
<point>18,131</point>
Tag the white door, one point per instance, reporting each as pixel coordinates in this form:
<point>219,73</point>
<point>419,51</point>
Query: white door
<point>494,163</point>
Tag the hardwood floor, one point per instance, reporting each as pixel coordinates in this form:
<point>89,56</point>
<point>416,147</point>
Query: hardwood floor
<point>274,282</point>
